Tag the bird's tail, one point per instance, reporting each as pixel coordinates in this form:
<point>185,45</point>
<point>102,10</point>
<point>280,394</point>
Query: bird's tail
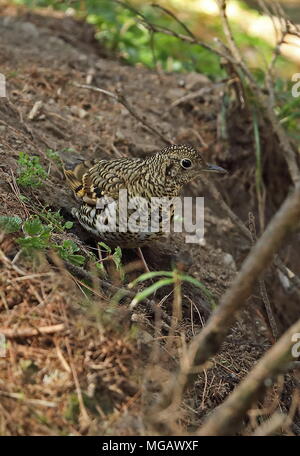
<point>75,176</point>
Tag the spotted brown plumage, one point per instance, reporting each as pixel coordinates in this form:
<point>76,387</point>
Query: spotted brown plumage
<point>162,174</point>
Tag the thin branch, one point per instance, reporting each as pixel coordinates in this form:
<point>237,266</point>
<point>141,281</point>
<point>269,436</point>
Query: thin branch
<point>119,292</point>
<point>294,279</point>
<point>264,101</point>
<point>231,54</point>
<point>34,402</point>
<point>273,18</point>
<point>228,417</point>
<point>291,276</point>
<point>239,61</point>
<point>211,187</point>
<point>192,95</point>
<point>262,286</point>
<point>276,422</point>
<point>166,31</point>
<point>85,419</point>
<point>31,332</point>
<point>120,98</point>
<point>171,14</point>
<point>208,341</point>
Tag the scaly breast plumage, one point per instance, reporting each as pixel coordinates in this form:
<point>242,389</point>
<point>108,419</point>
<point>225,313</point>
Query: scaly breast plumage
<point>118,226</point>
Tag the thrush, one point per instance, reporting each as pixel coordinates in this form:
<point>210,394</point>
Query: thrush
<point>97,185</point>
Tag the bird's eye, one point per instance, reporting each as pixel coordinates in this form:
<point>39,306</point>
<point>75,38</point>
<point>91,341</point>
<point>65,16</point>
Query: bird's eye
<point>186,163</point>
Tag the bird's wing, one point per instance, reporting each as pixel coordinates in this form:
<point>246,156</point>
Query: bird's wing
<point>91,182</point>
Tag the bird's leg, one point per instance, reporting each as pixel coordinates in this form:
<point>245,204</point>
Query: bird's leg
<point>140,254</point>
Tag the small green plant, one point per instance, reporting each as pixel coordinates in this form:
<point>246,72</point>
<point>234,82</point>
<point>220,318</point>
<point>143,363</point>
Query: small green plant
<point>121,30</point>
<point>38,237</point>
<point>10,224</point>
<point>105,246</point>
<point>55,220</point>
<point>72,410</point>
<point>115,256</point>
<point>174,277</point>
<point>67,251</point>
<point>54,156</point>
<point>31,172</point>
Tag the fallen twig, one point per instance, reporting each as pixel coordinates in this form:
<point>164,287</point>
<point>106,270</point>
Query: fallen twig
<point>85,420</point>
<point>190,38</point>
<point>120,98</point>
<point>191,96</point>
<point>20,397</point>
<point>262,286</point>
<point>208,341</point>
<point>31,332</point>
<point>227,418</point>
<point>265,100</point>
<point>119,292</point>
<point>295,280</point>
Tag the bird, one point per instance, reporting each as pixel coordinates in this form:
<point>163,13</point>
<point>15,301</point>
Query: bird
<point>161,174</point>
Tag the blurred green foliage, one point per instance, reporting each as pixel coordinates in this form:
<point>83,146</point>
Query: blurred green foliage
<point>31,172</point>
<point>10,224</point>
<point>287,108</point>
<point>122,32</point>
<point>37,235</point>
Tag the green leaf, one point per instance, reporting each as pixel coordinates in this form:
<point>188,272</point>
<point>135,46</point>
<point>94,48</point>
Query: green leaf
<point>149,275</point>
<point>258,169</point>
<point>33,226</point>
<point>53,155</point>
<point>148,291</point>
<point>67,252</point>
<point>105,246</point>
<point>31,172</point>
<point>117,257</point>
<point>78,260</point>
<point>10,224</point>
<point>198,284</point>
<point>33,243</point>
<point>70,246</point>
<point>100,267</point>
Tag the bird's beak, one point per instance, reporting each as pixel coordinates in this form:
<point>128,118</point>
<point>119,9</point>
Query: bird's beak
<point>214,169</point>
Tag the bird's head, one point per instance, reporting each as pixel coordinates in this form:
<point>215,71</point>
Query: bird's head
<point>183,164</point>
